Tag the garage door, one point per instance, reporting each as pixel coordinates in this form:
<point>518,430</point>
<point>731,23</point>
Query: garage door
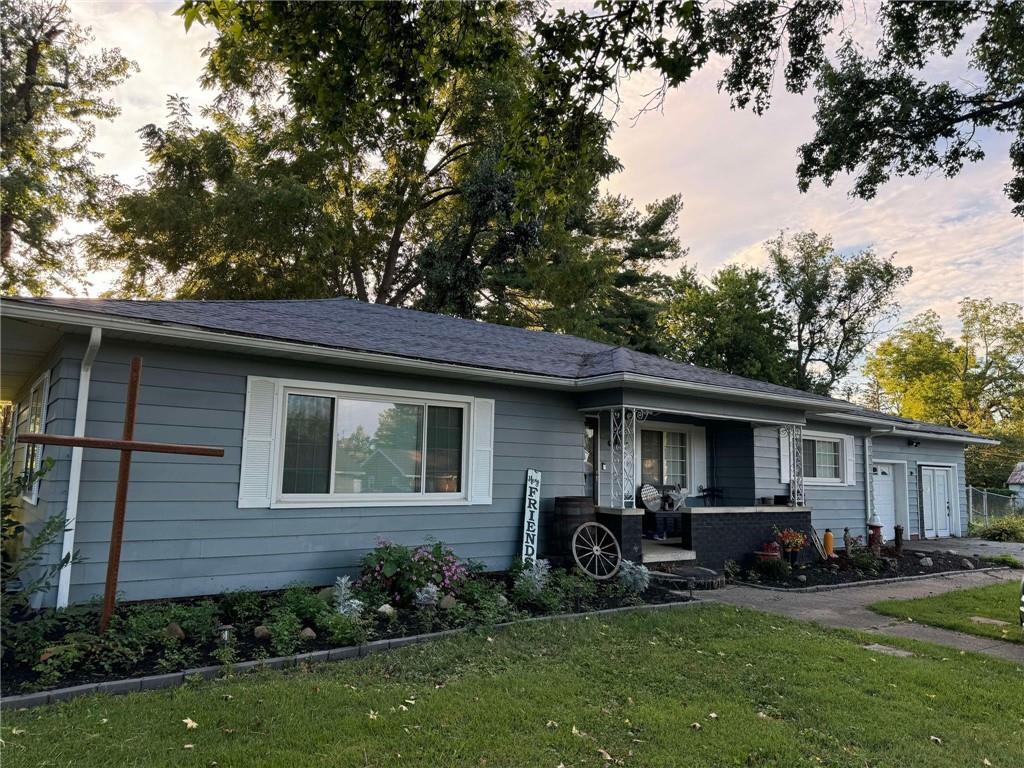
<point>884,490</point>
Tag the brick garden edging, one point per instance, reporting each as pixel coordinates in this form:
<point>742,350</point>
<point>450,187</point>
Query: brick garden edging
<point>174,679</point>
<point>869,582</point>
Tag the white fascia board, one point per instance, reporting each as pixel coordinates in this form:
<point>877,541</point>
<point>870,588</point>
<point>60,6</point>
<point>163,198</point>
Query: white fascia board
<point>222,339</point>
<point>885,428</point>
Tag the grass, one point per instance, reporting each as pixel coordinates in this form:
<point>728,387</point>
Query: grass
<point>953,610</point>
<point>622,690</point>
<point>1004,558</point>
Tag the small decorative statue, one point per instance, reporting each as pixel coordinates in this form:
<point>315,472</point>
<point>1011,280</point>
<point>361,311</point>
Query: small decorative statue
<point>847,540</point>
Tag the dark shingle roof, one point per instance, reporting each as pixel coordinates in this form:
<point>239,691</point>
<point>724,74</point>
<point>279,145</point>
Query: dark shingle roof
<point>354,325</point>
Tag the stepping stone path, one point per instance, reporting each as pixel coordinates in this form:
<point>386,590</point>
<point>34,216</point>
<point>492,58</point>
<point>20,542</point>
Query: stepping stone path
<point>987,620</point>
<point>888,650</point>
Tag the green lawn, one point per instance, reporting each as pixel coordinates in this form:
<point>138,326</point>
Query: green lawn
<point>765,691</point>
<point>953,610</point>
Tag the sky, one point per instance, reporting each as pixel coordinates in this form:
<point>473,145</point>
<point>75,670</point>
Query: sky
<point>735,171</point>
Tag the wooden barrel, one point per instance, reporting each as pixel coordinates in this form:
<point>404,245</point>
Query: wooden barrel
<point>569,513</point>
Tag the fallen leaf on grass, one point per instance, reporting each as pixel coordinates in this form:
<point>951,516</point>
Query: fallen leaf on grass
<point>552,724</point>
<point>190,723</point>
<point>189,746</point>
<point>695,726</point>
<point>373,715</point>
<point>935,740</point>
<point>17,731</point>
<point>713,716</point>
<point>985,761</point>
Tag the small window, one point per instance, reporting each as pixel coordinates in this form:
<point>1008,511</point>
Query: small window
<point>364,447</point>
<point>663,458</point>
<point>30,417</point>
<point>821,459</point>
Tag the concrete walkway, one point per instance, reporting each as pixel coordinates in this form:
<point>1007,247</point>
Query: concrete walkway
<point>847,609</point>
<point>968,546</point>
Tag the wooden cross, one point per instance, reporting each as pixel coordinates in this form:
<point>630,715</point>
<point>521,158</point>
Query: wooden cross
<point>126,445</point>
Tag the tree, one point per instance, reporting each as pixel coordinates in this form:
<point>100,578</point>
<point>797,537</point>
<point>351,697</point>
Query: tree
<point>731,323</point>
<point>50,97</point>
<point>973,382</point>
<point>877,116</point>
<point>834,303</point>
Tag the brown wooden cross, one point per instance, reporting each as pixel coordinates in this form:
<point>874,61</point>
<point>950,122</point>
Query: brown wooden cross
<point>126,446</point>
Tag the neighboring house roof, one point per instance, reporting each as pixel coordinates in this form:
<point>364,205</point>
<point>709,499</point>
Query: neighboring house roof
<point>347,324</point>
<point>1017,476</point>
<point>404,460</point>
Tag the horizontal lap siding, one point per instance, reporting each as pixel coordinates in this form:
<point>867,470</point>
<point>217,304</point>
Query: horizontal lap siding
<point>929,452</point>
<point>185,534</point>
<point>766,464</point>
<point>840,506</point>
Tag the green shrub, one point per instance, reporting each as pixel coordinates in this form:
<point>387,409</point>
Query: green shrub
<point>772,570</point>
<point>863,559</point>
<point>284,629</point>
<point>1005,559</point>
<point>400,571</point>
<point>1006,528</point>
<point>243,608</point>
<point>306,606</point>
<point>345,630</point>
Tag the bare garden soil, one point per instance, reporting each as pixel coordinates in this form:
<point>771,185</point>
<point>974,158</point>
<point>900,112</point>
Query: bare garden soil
<point>864,567</point>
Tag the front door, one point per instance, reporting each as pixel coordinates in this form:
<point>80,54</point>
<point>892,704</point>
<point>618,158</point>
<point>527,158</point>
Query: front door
<point>936,500</point>
<point>884,492</point>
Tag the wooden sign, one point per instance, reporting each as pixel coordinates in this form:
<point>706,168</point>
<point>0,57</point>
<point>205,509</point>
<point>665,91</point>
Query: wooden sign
<point>531,516</point>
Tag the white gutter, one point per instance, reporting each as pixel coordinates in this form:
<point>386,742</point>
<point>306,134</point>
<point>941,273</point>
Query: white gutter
<point>179,333</point>
<point>75,476</point>
<point>888,428</point>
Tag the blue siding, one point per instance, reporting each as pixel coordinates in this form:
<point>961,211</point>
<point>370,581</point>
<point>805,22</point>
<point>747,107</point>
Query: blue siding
<point>928,452</point>
<point>185,534</point>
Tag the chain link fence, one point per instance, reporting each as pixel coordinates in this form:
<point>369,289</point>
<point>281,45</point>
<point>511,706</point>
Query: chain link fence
<point>983,505</point>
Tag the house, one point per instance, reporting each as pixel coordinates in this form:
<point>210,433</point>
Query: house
<point>1015,482</point>
<point>344,422</point>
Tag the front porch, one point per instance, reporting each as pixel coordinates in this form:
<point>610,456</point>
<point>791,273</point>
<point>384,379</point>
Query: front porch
<point>724,482</point>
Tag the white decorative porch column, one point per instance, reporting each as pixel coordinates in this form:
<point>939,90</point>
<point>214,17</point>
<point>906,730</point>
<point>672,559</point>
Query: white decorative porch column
<point>624,474</point>
<point>794,434</point>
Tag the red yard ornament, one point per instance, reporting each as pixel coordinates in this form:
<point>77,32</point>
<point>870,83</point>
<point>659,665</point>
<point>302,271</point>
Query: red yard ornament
<point>126,445</point>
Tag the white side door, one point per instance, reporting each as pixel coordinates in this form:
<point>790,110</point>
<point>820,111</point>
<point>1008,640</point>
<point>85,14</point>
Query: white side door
<point>936,498</point>
<point>884,492</point>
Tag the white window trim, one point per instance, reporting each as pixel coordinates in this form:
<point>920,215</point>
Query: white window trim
<point>840,442</point>
<point>281,500</point>
<point>663,427</point>
<point>42,383</point>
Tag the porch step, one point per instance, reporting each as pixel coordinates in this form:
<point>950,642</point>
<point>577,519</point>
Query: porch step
<point>685,577</point>
<point>667,551</point>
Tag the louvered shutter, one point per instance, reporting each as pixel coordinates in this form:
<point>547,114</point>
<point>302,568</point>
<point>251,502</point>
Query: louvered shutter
<point>482,456</point>
<point>784,460</point>
<point>255,484</point>
<point>850,455</point>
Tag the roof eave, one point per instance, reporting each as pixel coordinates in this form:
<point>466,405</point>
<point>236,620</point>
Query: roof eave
<point>178,332</point>
<point>888,428</point>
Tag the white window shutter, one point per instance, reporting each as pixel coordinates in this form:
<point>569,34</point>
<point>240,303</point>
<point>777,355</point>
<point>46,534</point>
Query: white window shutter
<point>482,455</point>
<point>784,460</point>
<point>850,456</point>
<point>699,462</point>
<point>255,482</point>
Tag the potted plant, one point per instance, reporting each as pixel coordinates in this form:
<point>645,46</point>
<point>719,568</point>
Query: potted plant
<point>792,541</point>
<point>770,551</point>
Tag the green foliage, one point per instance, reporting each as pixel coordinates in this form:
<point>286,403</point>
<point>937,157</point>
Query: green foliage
<point>750,334</point>
<point>1005,559</point>
<point>1006,528</point>
<point>973,381</point>
<point>51,94</point>
<point>399,571</point>
<point>344,630</point>
<point>880,114</point>
<point>284,628</point>
<point>772,570</point>
<point>634,578</point>
<point>833,302</point>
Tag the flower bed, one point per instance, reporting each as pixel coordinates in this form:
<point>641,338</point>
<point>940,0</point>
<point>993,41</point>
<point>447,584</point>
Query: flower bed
<point>860,564</point>
<point>402,591</point>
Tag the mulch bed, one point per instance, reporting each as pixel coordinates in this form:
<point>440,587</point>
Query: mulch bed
<point>844,571</point>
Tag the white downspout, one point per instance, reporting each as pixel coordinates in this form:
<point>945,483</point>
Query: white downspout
<point>75,476</point>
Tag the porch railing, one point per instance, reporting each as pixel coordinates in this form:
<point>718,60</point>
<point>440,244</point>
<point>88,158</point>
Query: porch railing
<point>983,505</point>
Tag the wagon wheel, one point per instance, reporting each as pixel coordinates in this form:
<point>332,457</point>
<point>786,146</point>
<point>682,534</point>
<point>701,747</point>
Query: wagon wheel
<point>596,551</point>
